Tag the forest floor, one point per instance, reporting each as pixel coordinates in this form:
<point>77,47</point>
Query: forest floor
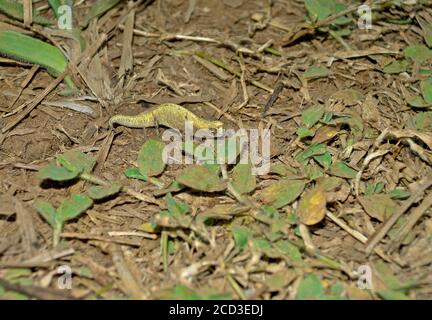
<point>342,213</point>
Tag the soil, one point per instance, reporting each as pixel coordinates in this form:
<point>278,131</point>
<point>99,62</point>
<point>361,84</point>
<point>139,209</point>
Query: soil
<point>111,254</point>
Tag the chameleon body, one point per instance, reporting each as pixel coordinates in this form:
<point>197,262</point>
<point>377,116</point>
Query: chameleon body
<point>169,115</point>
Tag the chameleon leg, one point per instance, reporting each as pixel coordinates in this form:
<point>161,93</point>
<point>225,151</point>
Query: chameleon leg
<point>157,127</point>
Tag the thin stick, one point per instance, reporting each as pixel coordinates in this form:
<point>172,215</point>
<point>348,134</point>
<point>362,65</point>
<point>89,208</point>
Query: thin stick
<point>354,233</point>
<point>380,234</point>
<point>236,287</point>
<point>273,97</point>
<point>412,220</point>
<point>38,99</point>
<point>24,84</point>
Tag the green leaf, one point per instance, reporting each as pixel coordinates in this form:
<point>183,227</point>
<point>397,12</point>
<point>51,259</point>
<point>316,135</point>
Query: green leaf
<point>313,150</point>
<point>396,67</point>
<point>327,117</point>
<point>287,248</point>
<point>150,158</point>
<point>99,8</point>
<point>417,102</point>
<point>425,72</point>
<point>310,288</point>
<point>418,53</point>
<point>303,132</point>
<point>373,188</point>
<point>47,211</point>
<point>219,296</point>
<point>282,192</point>
<point>16,273</point>
<point>399,194</point>
<point>423,121</point>
<point>393,285</point>
<point>15,10</point>
<point>277,281</point>
<point>55,173</point>
<point>312,171</point>
<point>261,245</point>
<point>177,208</point>
<point>134,173</point>
<point>55,4</point>
<point>200,178</point>
<point>329,183</point>
<point>228,149</point>
<point>337,290</point>
<point>385,273</point>
<point>312,115</point>
<point>242,179</point>
<point>342,170</point>
<point>75,160</point>
<point>270,211</point>
<point>179,292</point>
<point>318,9</point>
<point>173,187</point>
<point>392,295</point>
<point>213,167</point>
<point>292,218</point>
<point>426,90</point>
<point>354,121</point>
<point>315,73</point>
<point>241,236</point>
<point>324,159</point>
<point>283,170</point>
<point>25,48</point>
<point>321,9</point>
<point>101,192</point>
<point>73,206</point>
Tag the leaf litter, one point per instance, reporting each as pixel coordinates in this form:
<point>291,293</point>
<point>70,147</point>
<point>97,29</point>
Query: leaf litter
<point>349,180</point>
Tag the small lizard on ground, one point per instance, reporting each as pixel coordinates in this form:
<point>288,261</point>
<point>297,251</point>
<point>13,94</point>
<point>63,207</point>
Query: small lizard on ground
<point>169,115</point>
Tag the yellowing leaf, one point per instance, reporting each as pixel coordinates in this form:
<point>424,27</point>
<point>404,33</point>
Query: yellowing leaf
<point>325,133</point>
<point>341,169</point>
<point>242,179</point>
<point>282,192</point>
<point>312,207</point>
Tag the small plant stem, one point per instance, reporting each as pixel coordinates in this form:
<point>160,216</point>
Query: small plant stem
<point>93,179</point>
<point>56,234</point>
<point>164,245</point>
<point>236,287</point>
<point>96,180</point>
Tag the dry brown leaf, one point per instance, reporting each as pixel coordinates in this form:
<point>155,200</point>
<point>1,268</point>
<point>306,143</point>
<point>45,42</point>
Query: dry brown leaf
<point>378,206</point>
<point>325,133</point>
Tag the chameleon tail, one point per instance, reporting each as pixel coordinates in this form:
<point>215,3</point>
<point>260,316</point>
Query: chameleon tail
<point>140,121</point>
